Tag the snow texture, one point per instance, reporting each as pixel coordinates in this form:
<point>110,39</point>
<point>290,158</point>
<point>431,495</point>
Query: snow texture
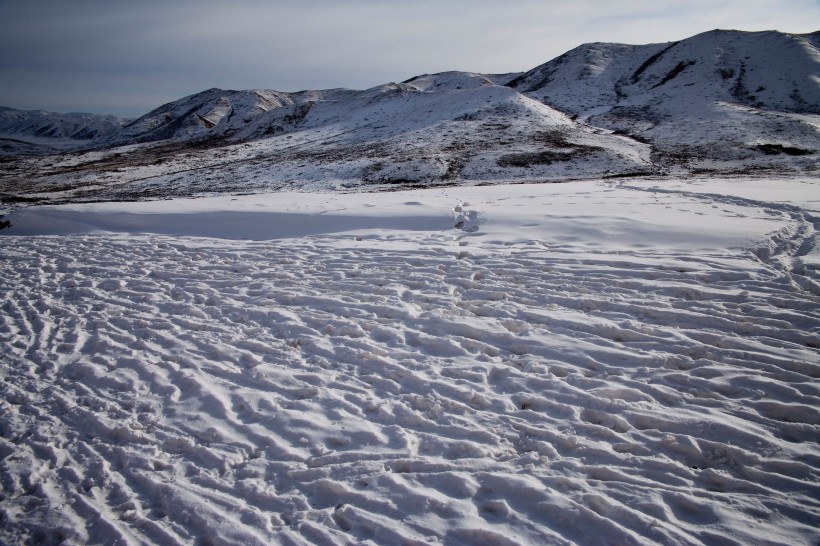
<point>601,362</point>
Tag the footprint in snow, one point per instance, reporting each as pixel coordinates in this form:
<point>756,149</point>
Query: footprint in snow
<point>465,220</point>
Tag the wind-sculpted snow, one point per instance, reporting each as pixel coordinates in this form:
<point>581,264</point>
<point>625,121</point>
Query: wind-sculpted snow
<point>591,363</point>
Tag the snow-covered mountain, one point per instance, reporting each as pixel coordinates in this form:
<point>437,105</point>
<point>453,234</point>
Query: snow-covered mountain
<point>722,101</point>
<point>434,129</point>
<point>718,96</point>
<point>766,70</point>
<point>38,131</point>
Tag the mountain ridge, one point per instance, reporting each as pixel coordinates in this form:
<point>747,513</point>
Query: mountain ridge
<point>720,101</point>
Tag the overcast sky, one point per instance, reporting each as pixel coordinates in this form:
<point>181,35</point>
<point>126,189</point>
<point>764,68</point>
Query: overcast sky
<point>128,57</point>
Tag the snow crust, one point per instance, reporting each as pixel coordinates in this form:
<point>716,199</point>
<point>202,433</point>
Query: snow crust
<point>630,362</point>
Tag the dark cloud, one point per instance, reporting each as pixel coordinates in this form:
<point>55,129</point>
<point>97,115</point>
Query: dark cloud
<point>129,57</point>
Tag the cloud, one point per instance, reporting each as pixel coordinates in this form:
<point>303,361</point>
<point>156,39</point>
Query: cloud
<point>90,55</point>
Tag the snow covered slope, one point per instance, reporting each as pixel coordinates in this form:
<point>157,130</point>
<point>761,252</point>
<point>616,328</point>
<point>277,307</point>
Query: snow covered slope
<point>719,97</point>
<point>599,362</point>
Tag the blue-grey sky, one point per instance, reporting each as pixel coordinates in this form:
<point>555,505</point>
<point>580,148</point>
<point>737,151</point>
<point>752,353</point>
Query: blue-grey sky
<point>128,57</point>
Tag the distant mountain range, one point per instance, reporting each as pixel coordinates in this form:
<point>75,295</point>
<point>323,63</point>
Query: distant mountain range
<point>45,132</point>
<point>722,101</point>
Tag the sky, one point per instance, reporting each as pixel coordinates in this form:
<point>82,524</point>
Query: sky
<point>128,57</point>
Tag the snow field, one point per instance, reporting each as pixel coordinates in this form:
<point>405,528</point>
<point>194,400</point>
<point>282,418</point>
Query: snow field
<point>591,363</point>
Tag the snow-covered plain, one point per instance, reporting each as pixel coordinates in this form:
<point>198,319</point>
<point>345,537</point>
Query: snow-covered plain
<point>602,362</point>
